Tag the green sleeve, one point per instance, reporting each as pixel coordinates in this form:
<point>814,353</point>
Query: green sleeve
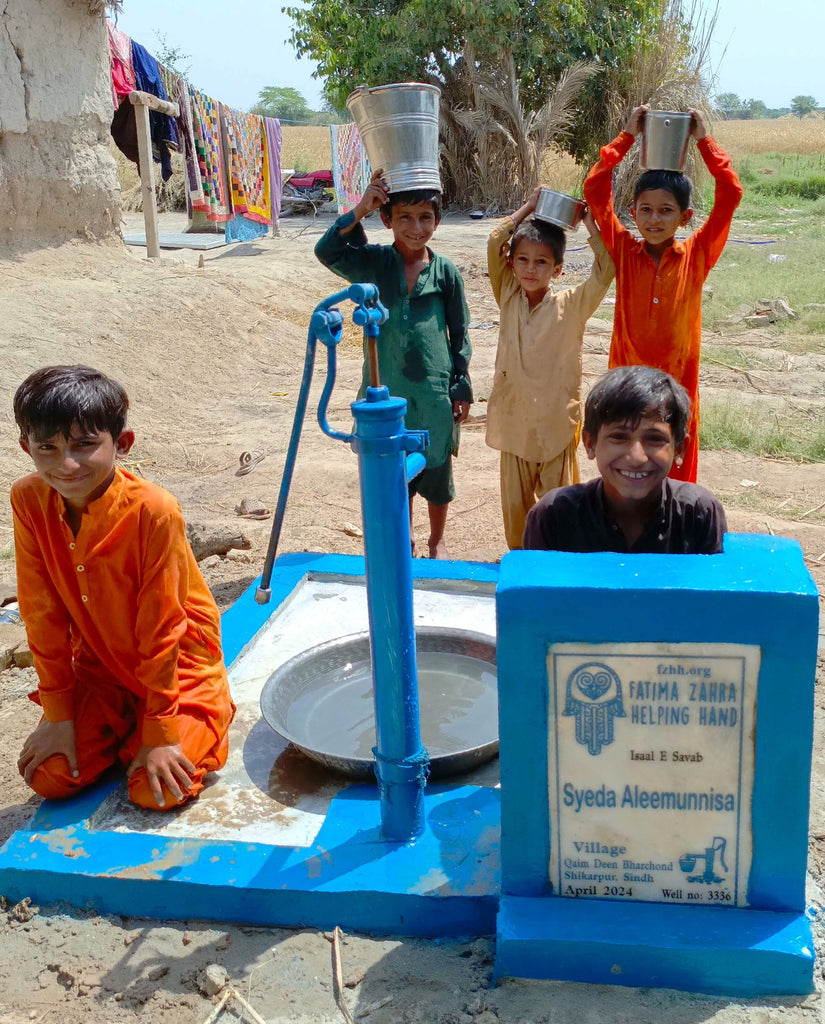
<point>457,317</point>
<point>347,255</point>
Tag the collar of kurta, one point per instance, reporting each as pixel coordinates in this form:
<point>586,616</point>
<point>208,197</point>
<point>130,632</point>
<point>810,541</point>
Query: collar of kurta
<point>656,521</point>
<point>105,503</point>
<point>678,248</point>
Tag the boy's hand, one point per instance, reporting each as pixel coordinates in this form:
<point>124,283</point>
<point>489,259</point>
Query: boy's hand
<point>167,766</point>
<point>529,206</point>
<point>48,738</point>
<point>375,196</point>
<point>698,128</point>
<point>635,122</point>
<point>461,410</point>
<point>589,222</point>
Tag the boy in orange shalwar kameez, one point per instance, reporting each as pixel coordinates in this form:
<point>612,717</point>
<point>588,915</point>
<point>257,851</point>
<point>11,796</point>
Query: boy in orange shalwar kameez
<point>124,631</point>
<point>658,319</point>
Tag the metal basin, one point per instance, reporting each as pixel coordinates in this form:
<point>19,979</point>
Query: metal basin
<point>398,125</point>
<point>322,702</point>
<point>559,209</point>
<point>665,137</point>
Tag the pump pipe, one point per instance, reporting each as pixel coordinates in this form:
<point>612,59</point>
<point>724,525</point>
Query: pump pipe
<point>389,456</point>
<point>327,324</point>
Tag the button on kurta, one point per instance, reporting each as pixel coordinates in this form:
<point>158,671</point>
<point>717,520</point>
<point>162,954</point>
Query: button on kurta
<point>81,568</point>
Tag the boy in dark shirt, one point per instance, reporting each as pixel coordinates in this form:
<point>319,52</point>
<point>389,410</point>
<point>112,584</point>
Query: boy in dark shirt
<point>635,424</point>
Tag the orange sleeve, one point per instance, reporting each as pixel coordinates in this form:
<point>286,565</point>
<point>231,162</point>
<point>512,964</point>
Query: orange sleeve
<point>161,622</point>
<point>727,195</point>
<point>598,190</point>
<point>48,624</point>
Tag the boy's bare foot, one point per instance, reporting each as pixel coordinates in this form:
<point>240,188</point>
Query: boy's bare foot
<point>439,550</point>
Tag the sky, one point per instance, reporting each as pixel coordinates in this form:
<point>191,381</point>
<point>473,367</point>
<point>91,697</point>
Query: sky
<point>761,49</point>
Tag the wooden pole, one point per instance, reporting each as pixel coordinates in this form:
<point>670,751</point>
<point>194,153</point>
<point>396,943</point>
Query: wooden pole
<point>142,102</point>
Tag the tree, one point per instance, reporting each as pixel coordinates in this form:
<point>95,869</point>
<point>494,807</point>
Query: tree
<point>445,41</point>
<point>282,102</point>
<point>729,106</point>
<point>757,110</point>
<point>172,57</point>
<point>802,105</point>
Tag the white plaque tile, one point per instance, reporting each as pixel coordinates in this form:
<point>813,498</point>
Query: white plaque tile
<point>651,762</point>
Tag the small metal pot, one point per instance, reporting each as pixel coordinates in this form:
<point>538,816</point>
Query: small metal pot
<point>557,208</point>
<point>665,137</point>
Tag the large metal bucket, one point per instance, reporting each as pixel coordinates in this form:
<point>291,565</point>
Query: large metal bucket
<point>665,140</point>
<point>398,125</point>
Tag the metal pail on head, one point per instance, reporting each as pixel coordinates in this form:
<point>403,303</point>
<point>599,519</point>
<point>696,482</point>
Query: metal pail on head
<point>398,125</point>
<point>665,138</point>
<point>559,209</point>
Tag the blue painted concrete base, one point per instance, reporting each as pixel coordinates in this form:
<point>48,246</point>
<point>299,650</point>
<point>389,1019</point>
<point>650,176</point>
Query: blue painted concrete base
<point>699,949</point>
<point>446,883</point>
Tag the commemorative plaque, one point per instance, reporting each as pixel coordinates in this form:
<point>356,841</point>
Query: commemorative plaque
<point>651,768</point>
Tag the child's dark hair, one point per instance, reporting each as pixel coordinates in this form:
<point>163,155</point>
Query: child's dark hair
<point>542,233</point>
<point>51,400</point>
<point>627,393</point>
<point>414,196</point>
<point>675,182</point>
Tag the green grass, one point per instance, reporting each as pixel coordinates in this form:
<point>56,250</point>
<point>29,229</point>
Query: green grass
<point>759,430</point>
<point>783,205</point>
<point>741,358</point>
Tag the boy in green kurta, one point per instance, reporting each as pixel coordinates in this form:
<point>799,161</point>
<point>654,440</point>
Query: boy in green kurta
<point>424,349</point>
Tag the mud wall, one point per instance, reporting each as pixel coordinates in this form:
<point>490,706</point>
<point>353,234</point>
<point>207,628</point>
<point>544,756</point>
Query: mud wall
<point>57,177</point>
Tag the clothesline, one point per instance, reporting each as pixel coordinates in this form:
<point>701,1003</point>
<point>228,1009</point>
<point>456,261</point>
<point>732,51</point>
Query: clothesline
<point>232,159</point>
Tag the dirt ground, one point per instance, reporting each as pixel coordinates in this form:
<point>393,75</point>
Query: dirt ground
<point>211,357</point>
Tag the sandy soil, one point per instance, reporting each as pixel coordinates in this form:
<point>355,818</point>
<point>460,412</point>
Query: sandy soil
<point>211,357</point>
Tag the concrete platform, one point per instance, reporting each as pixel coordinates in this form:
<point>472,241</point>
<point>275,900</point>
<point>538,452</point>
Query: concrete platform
<point>274,838</point>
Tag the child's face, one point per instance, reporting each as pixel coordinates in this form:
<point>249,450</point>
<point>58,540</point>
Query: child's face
<point>534,267</point>
<point>81,467</point>
<point>658,216</point>
<point>634,461</point>
<point>413,225</point>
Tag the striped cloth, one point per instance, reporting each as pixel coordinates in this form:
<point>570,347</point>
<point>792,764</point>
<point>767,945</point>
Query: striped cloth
<point>272,130</point>
<point>216,202</point>
<point>350,166</point>
<point>177,89</point>
<point>248,165</point>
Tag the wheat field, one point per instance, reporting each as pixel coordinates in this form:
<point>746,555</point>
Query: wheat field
<point>782,135</point>
<point>305,147</point>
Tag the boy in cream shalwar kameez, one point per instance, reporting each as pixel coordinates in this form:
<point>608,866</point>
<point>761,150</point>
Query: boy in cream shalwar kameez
<point>534,413</point>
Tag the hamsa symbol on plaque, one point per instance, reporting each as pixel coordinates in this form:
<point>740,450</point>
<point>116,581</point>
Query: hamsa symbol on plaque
<point>594,697</point>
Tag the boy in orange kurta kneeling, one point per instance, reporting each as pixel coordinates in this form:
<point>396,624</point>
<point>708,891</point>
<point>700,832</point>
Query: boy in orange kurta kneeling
<point>124,631</point>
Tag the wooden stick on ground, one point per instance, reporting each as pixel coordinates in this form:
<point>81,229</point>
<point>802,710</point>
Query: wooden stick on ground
<point>337,976</point>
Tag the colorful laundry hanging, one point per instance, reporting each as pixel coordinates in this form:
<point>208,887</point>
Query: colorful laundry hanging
<point>248,165</point>
<point>123,73</point>
<point>161,126</point>
<point>177,89</point>
<point>216,202</point>
<point>272,130</point>
<point>350,166</point>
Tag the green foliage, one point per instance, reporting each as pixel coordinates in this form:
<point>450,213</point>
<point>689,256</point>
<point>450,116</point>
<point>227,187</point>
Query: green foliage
<point>284,103</point>
<point>172,57</point>
<point>440,40</point>
<point>731,108</point>
<point>802,105</point>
